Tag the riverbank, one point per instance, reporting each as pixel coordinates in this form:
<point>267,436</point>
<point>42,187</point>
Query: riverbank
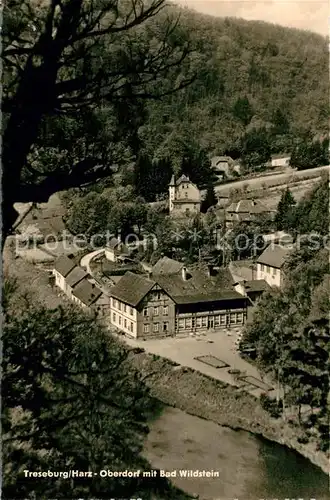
<point>213,400</point>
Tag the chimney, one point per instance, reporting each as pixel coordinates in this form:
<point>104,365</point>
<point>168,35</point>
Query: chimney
<point>184,273</point>
<point>150,275</point>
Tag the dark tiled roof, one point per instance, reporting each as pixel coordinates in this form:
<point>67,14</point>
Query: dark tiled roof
<point>279,156</point>
<point>113,243</point>
<point>181,179</point>
<point>167,266</point>
<point>256,286</point>
<point>186,200</point>
<point>87,292</point>
<point>132,288</point>
<point>274,256</point>
<point>197,288</point>
<point>210,297</point>
<point>75,276</point>
<point>64,265</point>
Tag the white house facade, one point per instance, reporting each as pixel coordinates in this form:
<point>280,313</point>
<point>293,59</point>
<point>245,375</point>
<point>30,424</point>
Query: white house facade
<point>270,264</point>
<point>124,317</point>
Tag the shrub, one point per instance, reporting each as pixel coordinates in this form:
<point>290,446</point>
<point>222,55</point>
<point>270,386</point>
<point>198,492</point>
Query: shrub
<point>274,408</point>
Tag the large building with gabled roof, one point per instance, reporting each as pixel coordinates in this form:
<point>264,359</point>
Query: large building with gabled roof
<point>184,197</point>
<point>180,302</point>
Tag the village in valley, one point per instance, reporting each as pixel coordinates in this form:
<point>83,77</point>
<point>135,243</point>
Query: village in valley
<point>190,309</point>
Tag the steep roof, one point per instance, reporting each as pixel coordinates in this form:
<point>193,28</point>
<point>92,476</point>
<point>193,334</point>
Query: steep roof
<point>64,265</point>
<point>75,276</point>
<point>132,288</point>
<point>87,292</point>
<point>274,256</point>
<point>247,206</point>
<point>183,178</point>
<point>172,181</point>
<point>113,243</point>
<point>166,265</point>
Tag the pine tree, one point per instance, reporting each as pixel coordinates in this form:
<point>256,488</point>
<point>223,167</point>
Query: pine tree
<point>210,198</point>
<point>285,211</point>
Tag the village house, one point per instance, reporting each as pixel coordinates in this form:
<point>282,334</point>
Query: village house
<point>88,295</point>
<point>270,264</point>
<point>115,249</point>
<point>63,266</point>
<point>181,302</point>
<point>280,160</point>
<point>184,197</point>
<point>224,167</point>
<point>246,210</point>
<point>74,282</point>
<point>253,289</point>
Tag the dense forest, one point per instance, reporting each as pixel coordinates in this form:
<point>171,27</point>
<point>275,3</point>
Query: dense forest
<point>250,76</point>
<point>259,89</point>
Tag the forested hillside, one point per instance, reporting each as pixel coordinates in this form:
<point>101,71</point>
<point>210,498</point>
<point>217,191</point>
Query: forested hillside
<point>160,88</point>
<point>250,75</point>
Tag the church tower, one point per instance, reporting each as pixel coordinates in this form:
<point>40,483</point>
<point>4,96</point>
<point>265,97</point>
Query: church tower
<point>171,193</point>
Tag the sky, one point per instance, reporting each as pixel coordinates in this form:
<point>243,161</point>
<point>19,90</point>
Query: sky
<point>313,15</point>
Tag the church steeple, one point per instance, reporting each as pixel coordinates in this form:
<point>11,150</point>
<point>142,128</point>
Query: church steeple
<point>172,181</point>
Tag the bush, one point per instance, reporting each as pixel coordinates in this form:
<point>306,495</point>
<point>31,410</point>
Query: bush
<point>274,408</point>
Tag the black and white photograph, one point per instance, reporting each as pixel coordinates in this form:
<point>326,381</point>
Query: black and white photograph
<point>165,298</point>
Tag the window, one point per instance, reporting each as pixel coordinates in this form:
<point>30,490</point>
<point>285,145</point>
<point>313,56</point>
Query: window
<point>114,317</point>
<point>186,194</point>
<point>267,269</point>
<point>125,308</point>
<point>156,327</point>
<point>131,311</point>
<point>198,322</point>
<point>188,323</point>
<point>119,306</point>
<point>145,311</point>
<point>239,317</point>
<point>204,321</point>
<point>125,323</point>
<point>233,318</point>
<point>165,310</point>
<point>181,323</point>
<point>146,328</point>
<point>216,320</point>
<point>222,319</point>
<point>119,320</point>
<point>114,303</point>
<point>165,326</point>
<point>131,327</point>
<point>274,271</point>
<point>158,295</point>
<point>156,311</point>
<point>262,267</point>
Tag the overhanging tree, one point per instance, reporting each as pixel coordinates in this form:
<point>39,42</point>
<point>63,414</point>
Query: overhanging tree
<point>64,60</point>
<point>71,402</point>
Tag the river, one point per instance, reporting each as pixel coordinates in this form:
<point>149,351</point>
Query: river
<point>249,468</point>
